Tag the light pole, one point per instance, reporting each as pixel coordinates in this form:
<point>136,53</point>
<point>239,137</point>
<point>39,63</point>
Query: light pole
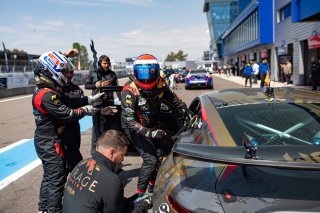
<point>14,62</point>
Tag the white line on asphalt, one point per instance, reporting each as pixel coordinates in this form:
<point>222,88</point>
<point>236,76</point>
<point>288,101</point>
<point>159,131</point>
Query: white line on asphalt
<point>5,182</point>
<point>13,99</point>
<point>13,145</point>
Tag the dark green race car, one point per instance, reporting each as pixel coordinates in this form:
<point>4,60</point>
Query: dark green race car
<point>245,150</point>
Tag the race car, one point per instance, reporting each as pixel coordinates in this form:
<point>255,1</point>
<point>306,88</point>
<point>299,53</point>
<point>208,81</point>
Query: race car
<point>198,78</point>
<point>245,150</point>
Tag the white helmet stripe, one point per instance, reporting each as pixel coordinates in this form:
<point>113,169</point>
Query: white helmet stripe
<point>146,62</point>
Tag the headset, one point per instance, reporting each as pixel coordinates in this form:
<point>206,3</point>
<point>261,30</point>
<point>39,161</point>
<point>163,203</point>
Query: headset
<point>101,58</point>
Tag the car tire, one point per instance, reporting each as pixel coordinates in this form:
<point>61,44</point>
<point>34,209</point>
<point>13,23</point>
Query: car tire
<point>186,87</point>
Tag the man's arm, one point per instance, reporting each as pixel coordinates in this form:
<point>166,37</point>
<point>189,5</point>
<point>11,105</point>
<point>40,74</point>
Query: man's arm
<point>89,83</point>
<point>53,105</point>
<point>128,103</point>
<point>172,98</point>
<point>116,200</point>
<point>75,102</point>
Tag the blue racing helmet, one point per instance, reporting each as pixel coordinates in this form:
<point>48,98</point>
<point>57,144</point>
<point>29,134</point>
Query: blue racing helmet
<point>146,71</point>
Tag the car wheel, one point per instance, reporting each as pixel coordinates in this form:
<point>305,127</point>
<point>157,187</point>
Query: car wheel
<point>186,87</point>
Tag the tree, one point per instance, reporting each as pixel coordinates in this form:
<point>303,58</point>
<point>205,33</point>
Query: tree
<point>170,57</point>
<point>19,52</point>
<point>84,57</point>
<point>179,56</point>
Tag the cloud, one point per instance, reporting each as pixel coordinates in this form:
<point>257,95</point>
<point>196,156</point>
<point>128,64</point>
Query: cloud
<point>50,25</point>
<point>94,3</point>
<point>81,3</point>
<point>5,29</point>
<point>156,40</point>
<point>129,2</point>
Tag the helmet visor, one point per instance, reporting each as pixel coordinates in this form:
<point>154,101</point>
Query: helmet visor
<point>146,73</point>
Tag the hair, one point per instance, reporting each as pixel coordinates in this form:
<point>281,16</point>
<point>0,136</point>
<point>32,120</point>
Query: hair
<point>102,58</point>
<point>112,138</point>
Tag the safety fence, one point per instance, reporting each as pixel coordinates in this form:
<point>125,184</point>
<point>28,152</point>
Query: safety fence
<point>12,84</point>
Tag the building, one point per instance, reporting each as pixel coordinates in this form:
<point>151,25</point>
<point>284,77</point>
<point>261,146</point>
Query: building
<point>220,15</point>
<point>250,36</point>
<point>276,30</point>
<point>296,37</point>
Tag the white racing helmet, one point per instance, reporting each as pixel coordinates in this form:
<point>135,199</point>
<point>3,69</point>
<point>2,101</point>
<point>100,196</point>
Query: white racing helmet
<point>52,65</point>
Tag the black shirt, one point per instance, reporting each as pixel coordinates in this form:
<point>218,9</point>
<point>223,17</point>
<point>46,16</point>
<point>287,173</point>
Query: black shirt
<point>101,75</point>
<point>94,186</point>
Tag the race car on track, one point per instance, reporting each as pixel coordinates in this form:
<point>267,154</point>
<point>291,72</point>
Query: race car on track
<point>199,78</point>
<point>245,150</point>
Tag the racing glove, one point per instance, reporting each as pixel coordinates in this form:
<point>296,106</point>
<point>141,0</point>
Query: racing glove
<point>187,114</point>
<point>71,53</point>
<point>92,99</point>
<point>157,134</point>
<point>90,110</point>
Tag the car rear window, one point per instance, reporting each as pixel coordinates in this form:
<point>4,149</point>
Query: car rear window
<point>183,72</point>
<point>198,72</point>
<point>274,124</point>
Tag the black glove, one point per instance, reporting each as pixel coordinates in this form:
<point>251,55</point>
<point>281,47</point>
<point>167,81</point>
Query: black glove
<point>143,204</point>
<point>157,134</point>
<point>188,115</point>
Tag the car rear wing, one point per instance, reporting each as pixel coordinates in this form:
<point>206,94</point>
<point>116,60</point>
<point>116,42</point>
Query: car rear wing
<point>305,157</point>
<point>111,88</point>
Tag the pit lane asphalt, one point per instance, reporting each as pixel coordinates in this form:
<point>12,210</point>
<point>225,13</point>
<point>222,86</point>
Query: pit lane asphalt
<point>17,123</point>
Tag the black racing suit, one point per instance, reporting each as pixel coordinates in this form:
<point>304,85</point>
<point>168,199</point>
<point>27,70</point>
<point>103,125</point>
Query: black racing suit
<point>94,186</point>
<point>50,115</point>
<point>102,123</point>
<point>73,97</point>
<point>140,115</point>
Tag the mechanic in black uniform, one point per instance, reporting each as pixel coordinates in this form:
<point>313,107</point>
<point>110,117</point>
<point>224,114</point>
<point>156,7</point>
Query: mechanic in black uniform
<point>50,115</point>
<point>73,97</point>
<point>103,76</point>
<point>140,101</point>
<point>94,186</point>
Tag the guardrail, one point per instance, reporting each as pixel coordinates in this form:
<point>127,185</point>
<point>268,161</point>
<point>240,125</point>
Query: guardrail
<point>13,84</point>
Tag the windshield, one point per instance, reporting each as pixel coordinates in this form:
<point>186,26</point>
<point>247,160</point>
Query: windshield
<point>274,124</point>
<point>198,72</point>
<point>182,72</point>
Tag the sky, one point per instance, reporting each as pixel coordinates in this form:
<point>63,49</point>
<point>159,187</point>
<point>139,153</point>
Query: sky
<point>119,28</point>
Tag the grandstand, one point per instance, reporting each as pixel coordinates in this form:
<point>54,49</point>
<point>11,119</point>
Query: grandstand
<point>17,62</point>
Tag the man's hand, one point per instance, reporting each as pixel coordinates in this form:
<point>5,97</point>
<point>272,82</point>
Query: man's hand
<point>99,84</point>
<point>149,201</point>
<point>105,83</point>
<point>109,110</point>
<point>187,114</point>
<point>71,53</point>
<point>157,134</point>
<point>95,98</point>
<point>90,110</point>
